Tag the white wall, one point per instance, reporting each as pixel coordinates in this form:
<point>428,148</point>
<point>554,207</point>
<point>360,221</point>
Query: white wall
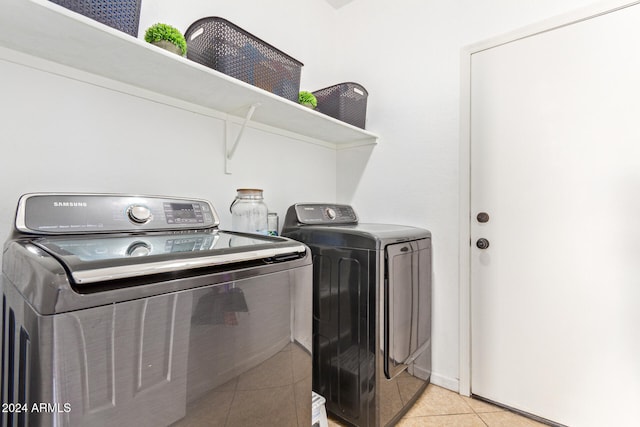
<point>59,134</point>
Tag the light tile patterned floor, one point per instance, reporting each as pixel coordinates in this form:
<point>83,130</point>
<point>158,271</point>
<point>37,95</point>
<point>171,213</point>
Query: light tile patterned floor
<point>439,407</point>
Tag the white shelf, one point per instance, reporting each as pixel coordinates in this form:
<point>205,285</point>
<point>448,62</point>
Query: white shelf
<point>48,31</point>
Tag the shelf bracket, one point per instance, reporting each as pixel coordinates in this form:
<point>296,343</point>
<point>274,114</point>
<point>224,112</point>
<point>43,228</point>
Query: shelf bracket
<point>230,149</point>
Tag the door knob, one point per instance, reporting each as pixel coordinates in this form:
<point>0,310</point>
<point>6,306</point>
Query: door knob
<point>483,217</point>
<point>482,243</point>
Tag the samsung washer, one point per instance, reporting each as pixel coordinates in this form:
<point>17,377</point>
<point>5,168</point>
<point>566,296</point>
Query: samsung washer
<point>137,311</point>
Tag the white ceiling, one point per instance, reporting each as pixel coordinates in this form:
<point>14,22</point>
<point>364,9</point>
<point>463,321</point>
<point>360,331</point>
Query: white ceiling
<point>337,4</point>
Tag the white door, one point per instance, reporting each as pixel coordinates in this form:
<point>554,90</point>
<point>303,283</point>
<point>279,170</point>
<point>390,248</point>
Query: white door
<point>555,163</point>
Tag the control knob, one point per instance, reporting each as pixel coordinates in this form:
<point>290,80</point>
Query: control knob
<point>139,214</point>
<point>331,214</point>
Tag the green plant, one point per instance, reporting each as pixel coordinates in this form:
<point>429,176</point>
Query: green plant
<point>307,98</point>
<point>159,31</point>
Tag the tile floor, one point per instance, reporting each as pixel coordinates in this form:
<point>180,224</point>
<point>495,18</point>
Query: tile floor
<point>439,407</point>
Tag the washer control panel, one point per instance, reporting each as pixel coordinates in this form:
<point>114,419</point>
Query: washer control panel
<point>320,213</point>
<point>46,213</point>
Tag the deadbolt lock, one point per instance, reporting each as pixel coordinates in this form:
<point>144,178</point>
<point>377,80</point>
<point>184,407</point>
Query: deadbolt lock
<point>483,217</point>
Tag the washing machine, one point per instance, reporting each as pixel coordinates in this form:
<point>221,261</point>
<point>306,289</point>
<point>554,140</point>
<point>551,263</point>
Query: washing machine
<point>371,311</point>
<point>128,310</point>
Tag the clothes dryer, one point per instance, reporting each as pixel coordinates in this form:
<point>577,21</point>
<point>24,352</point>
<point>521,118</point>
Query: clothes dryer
<point>371,311</point>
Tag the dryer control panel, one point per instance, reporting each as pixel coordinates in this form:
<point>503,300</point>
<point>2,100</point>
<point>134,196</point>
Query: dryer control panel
<point>72,213</point>
<point>324,213</point>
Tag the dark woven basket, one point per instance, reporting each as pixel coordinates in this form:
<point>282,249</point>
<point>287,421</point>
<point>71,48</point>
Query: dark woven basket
<point>225,47</point>
<point>345,101</point>
<point>123,15</point>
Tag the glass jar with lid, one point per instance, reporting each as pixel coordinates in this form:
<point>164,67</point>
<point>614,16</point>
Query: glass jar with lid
<point>249,212</point>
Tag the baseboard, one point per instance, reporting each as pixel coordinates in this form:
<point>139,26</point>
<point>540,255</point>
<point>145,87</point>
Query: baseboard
<point>452,384</point>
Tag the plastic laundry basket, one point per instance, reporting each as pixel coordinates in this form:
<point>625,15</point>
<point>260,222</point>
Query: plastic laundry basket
<point>344,101</point>
<point>225,47</point>
<point>319,417</point>
<point>123,15</point>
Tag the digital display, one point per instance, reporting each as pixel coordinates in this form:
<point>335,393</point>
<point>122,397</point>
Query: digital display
<point>183,210</point>
<point>183,213</point>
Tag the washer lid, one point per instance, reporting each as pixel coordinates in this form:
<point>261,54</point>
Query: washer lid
<point>100,258</point>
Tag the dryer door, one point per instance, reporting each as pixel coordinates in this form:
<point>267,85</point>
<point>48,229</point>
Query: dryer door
<point>407,317</point>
